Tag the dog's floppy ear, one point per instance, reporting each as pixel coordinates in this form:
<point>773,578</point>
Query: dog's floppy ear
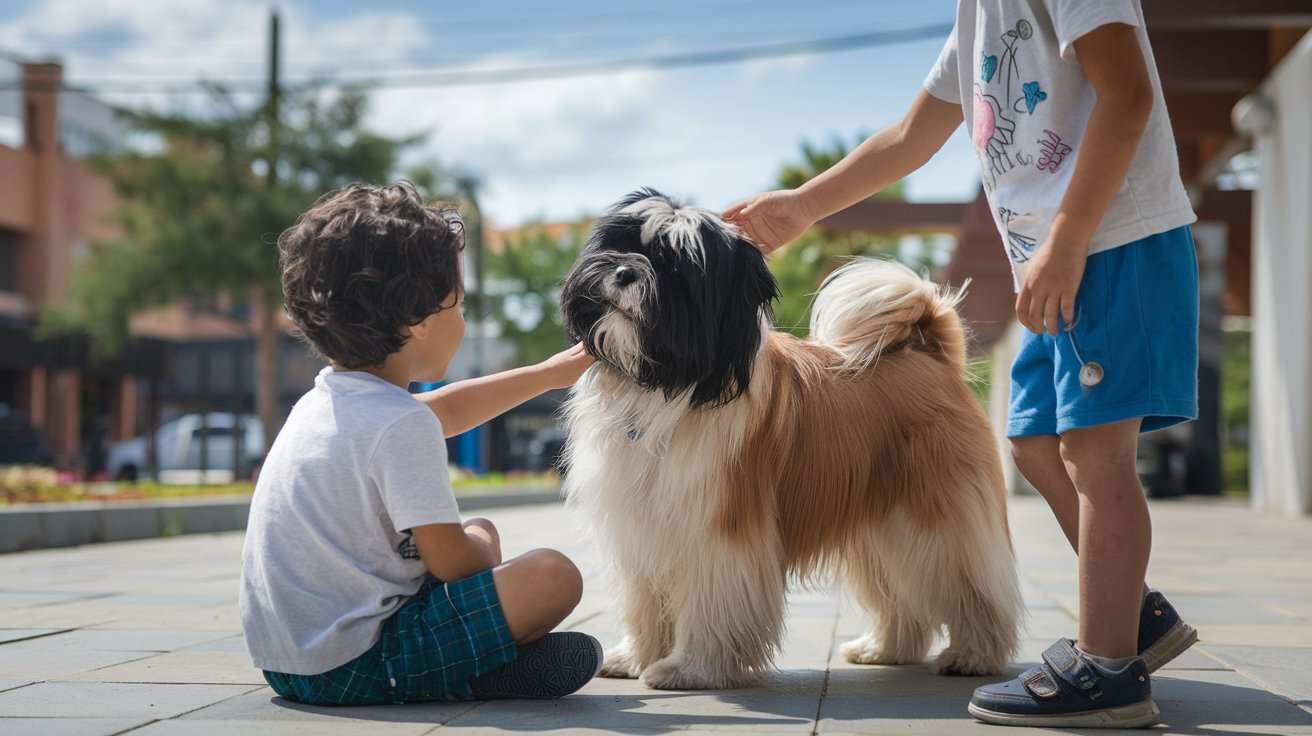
<point>761,284</point>
<point>743,288</point>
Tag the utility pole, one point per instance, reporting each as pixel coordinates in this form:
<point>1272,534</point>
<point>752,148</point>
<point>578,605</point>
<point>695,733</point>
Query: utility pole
<point>268,337</point>
<point>274,94</point>
<point>474,241</point>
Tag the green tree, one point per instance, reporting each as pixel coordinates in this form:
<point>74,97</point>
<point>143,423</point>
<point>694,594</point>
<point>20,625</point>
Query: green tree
<point>198,219</point>
<point>524,280</point>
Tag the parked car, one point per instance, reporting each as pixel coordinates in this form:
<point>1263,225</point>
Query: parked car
<point>20,442</point>
<point>178,444</point>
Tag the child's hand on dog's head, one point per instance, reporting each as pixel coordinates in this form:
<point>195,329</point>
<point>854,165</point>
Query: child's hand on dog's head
<point>565,367</point>
<point>773,219</point>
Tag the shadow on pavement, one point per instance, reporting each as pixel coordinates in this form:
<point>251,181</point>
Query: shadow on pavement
<point>856,699</point>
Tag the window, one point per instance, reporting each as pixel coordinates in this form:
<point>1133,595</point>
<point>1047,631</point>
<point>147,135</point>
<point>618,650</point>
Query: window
<point>8,260</point>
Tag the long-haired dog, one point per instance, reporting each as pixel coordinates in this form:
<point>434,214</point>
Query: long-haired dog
<point>717,458</point>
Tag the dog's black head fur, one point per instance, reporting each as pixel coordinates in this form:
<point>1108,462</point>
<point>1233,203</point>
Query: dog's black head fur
<point>672,297</point>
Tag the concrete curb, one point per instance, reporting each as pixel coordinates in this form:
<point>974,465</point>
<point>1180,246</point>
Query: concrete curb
<point>68,524</point>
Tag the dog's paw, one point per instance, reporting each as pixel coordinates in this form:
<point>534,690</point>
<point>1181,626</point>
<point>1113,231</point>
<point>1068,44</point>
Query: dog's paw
<point>620,663</point>
<point>866,650</point>
<point>677,673</point>
<point>954,662</point>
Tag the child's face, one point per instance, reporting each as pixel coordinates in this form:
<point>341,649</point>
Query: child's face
<point>438,338</point>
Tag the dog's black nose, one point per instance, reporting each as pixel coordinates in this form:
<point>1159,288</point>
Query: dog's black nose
<point>625,275</point>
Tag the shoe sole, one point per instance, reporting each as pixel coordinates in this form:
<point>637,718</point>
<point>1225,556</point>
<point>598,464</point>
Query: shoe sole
<point>557,665</point>
<point>1136,715</point>
<point>1172,644</point>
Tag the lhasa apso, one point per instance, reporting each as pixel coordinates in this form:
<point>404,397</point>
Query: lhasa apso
<point>717,459</point>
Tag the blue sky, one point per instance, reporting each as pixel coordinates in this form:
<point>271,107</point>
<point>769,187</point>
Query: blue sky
<point>556,149</point>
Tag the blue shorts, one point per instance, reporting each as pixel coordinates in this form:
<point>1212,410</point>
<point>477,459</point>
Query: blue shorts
<point>1137,318</point>
<point>439,640</point>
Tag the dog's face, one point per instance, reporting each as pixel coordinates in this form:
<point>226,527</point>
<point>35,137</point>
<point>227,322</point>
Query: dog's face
<point>672,297</point>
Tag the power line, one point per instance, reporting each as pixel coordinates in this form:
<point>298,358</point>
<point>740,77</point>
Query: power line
<point>509,75</point>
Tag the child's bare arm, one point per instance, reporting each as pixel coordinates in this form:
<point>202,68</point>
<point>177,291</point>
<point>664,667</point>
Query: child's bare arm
<point>456,551</point>
<point>1115,67</point>
<point>463,405</point>
<point>775,218</point>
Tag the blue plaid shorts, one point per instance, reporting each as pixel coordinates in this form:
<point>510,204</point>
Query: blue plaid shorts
<point>439,640</point>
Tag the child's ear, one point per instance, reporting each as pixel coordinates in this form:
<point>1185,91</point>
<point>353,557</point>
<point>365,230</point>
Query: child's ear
<point>419,330</point>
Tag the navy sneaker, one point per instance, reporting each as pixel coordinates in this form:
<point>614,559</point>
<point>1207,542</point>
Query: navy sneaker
<point>1069,691</point>
<point>551,667</point>
<point>1163,636</point>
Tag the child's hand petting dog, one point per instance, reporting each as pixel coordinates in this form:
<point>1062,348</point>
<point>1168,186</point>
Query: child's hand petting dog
<point>565,367</point>
<point>773,219</point>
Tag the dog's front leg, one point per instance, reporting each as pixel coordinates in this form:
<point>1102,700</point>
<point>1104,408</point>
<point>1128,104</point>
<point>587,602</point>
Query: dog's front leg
<point>729,619</point>
<point>648,631</point>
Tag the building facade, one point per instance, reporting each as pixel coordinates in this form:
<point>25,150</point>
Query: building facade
<point>53,206</point>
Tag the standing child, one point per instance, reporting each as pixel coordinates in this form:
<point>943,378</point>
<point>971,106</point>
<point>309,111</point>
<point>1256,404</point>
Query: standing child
<point>1065,112</point>
<point>360,583</point>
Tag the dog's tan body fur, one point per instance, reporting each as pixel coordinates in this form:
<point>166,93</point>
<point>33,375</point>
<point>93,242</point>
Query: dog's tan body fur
<point>865,457</point>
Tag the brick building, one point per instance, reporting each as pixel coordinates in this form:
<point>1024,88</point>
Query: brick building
<point>52,207</point>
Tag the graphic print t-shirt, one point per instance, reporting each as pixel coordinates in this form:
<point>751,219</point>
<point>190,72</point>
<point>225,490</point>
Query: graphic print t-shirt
<point>1012,66</point>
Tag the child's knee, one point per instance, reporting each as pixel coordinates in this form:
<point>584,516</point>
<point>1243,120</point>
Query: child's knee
<point>486,525</point>
<point>558,577</point>
<point>1032,453</point>
<point>1109,447</point>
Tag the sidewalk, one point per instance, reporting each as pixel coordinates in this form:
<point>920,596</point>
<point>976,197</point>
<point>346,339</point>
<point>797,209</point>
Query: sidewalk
<point>142,637</point>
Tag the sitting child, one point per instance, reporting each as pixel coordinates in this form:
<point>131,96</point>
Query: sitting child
<point>360,583</point>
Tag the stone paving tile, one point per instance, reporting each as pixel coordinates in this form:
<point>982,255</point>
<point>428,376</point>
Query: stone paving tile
<point>55,617</point>
<point>35,660</point>
<point>110,700</point>
<point>69,726</point>
<point>1286,671</point>
<point>264,706</point>
<point>1211,610</point>
<point>8,635</point>
<point>639,708</point>
<point>907,714</point>
<point>31,598</point>
<point>227,643</point>
<point>130,640</point>
<point>114,593</point>
<point>887,700</point>
<point>1195,658</point>
<point>1258,635</point>
<point>212,668</point>
<point>237,728</point>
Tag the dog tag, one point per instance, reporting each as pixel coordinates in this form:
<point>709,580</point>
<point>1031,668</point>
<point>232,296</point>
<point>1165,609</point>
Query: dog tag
<point>1090,374</point>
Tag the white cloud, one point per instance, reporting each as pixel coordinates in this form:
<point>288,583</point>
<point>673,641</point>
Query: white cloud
<point>183,40</point>
<point>558,148</point>
<point>768,68</point>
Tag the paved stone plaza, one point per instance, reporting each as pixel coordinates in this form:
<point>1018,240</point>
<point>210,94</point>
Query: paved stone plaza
<point>142,637</point>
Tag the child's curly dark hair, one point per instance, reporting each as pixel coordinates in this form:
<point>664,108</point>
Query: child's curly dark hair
<point>364,262</point>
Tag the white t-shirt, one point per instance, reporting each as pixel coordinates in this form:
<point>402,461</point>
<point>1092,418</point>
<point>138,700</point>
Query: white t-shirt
<point>328,555</point>
<point>1011,65</point>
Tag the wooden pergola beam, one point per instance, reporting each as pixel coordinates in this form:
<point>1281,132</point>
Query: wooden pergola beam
<point>1195,114</point>
<point>1210,60</point>
<point>893,216</point>
<point>1194,14</point>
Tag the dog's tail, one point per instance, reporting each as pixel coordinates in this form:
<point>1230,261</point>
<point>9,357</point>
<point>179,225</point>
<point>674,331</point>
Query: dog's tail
<point>870,305</point>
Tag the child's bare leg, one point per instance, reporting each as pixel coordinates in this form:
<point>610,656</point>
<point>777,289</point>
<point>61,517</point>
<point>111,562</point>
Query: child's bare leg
<point>1039,460</point>
<point>538,590</point>
<point>1115,535</point>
